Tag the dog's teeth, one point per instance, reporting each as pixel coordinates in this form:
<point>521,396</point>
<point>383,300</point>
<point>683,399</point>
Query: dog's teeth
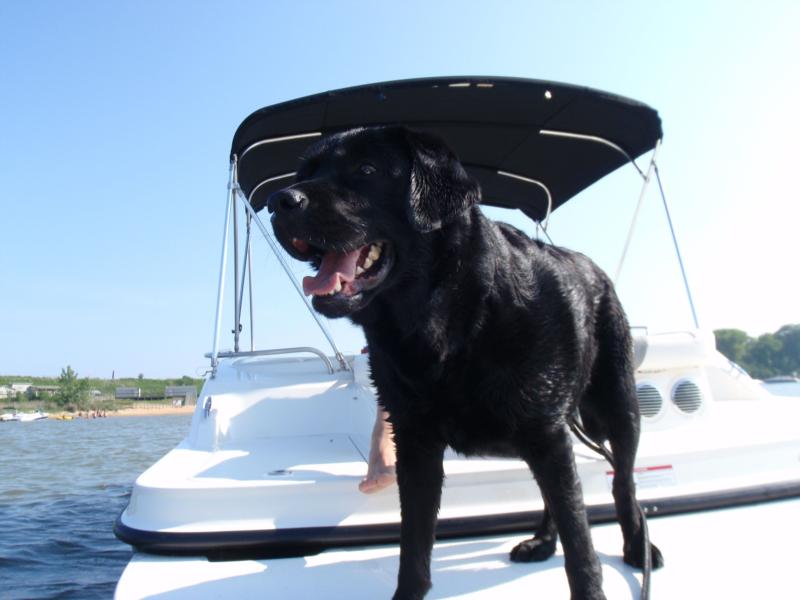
<point>359,271</point>
<point>338,287</point>
<point>367,263</point>
<point>374,252</point>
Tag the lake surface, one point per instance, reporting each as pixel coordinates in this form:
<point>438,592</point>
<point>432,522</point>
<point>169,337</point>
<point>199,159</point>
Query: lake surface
<point>62,486</point>
<point>787,388</point>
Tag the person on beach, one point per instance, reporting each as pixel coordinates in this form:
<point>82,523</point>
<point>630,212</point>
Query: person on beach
<point>380,467</point>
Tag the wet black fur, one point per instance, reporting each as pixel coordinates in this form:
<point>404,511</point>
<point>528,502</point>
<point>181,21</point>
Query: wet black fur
<point>480,338</point>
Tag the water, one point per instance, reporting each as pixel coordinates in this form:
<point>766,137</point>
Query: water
<point>785,388</point>
<point>62,485</point>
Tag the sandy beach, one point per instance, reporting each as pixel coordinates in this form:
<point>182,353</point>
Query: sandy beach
<point>135,411</point>
<point>152,411</point>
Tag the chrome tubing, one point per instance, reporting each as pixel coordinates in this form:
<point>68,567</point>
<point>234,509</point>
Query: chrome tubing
<point>266,181</point>
<point>222,269</point>
<point>237,299</point>
<point>285,138</point>
<point>631,229</point>
<point>240,291</point>
<point>591,138</point>
<point>250,283</point>
<point>546,219</point>
<point>279,351</point>
<point>677,251</point>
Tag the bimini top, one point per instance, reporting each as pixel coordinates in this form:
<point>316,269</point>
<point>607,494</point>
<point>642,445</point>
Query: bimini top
<point>532,144</point>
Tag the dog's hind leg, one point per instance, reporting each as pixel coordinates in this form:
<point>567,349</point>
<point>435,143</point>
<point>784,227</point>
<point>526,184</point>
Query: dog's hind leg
<point>610,411</point>
<point>623,437</point>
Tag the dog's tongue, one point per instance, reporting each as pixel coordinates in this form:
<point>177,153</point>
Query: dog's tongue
<point>335,267</point>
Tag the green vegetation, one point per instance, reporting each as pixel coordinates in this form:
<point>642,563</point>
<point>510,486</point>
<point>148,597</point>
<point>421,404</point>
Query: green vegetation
<point>767,355</point>
<point>72,393</point>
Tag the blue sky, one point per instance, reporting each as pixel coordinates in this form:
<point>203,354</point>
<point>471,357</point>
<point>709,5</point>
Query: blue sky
<point>116,120</point>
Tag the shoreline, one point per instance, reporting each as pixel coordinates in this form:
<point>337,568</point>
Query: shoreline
<point>152,411</point>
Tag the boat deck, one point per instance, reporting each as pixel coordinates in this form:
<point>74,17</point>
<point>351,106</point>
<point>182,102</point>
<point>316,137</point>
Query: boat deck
<point>745,552</point>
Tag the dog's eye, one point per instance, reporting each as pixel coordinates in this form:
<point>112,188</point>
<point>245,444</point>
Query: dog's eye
<point>367,169</point>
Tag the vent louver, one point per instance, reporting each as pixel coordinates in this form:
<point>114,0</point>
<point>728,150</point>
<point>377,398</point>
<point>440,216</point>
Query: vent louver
<point>687,396</point>
<point>650,400</point>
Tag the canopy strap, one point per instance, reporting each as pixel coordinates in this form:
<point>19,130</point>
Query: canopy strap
<point>677,249</point>
<point>646,176</point>
<point>653,169</point>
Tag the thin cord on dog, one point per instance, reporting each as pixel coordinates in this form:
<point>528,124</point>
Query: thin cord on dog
<point>646,558</point>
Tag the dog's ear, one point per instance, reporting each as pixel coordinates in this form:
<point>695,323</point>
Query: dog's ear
<point>440,188</point>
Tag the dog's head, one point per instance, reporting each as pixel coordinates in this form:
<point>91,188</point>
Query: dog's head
<point>363,204</point>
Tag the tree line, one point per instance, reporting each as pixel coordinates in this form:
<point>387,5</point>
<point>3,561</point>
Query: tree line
<point>74,393</point>
<point>767,355</point>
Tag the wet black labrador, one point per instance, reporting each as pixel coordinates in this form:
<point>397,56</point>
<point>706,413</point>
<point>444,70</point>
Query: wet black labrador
<point>480,338</point>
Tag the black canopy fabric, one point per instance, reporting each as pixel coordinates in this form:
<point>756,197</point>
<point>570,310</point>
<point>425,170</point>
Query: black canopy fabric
<point>505,131</point>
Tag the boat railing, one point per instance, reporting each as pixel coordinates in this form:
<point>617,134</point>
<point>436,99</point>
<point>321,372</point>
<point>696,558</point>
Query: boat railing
<point>278,352</point>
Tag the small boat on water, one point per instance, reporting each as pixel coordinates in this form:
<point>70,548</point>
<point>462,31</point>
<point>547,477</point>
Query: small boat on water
<point>25,417</point>
<point>261,498</point>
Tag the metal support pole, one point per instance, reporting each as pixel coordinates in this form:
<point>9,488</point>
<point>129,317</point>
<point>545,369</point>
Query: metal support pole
<point>677,252</point>
<point>250,284</point>
<point>240,290</point>
<point>237,298</point>
<point>222,269</point>
<point>631,229</point>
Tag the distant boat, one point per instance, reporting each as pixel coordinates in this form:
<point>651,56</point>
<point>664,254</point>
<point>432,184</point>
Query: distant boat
<point>24,417</point>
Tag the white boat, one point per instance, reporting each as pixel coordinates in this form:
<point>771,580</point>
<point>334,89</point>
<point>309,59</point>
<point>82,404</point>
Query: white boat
<point>24,417</point>
<point>32,416</point>
<point>261,499</point>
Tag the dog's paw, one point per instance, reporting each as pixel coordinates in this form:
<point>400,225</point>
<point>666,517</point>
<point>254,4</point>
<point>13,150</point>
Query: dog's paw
<point>634,557</point>
<point>533,550</point>
<point>406,594</point>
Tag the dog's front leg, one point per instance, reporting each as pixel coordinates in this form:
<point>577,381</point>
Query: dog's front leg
<point>419,476</point>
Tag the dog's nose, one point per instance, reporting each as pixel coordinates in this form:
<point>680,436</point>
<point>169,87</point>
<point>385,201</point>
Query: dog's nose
<point>288,199</point>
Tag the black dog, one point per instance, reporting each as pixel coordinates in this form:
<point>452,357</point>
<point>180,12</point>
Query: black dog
<point>480,338</point>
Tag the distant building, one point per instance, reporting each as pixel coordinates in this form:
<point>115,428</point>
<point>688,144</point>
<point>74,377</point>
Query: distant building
<point>181,395</point>
<point>44,389</point>
<point>20,388</point>
<point>5,391</point>
<point>126,393</point>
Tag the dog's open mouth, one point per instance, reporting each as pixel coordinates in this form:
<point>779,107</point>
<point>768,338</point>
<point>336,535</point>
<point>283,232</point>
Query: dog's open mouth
<point>345,273</point>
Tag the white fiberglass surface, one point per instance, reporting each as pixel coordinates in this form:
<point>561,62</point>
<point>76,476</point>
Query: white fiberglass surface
<point>269,436</point>
<point>710,554</point>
